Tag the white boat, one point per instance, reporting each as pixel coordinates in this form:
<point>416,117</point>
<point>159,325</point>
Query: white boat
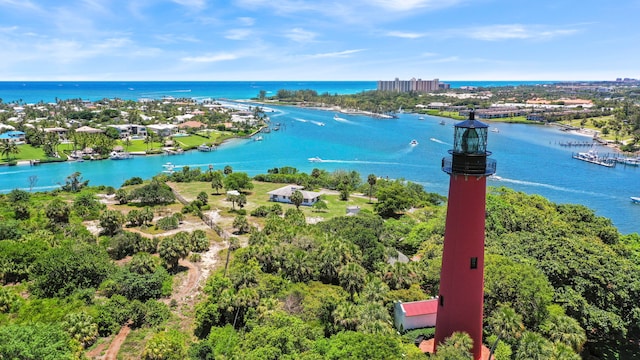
<point>258,138</point>
<point>495,130</point>
<point>338,118</point>
<point>315,159</point>
<point>592,156</point>
<point>413,142</point>
<point>320,124</point>
<point>421,118</point>
<point>635,200</point>
<point>168,168</point>
<point>119,155</point>
<point>442,122</point>
<point>204,148</point>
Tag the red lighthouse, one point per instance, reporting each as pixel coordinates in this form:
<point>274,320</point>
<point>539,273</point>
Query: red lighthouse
<point>462,276</point>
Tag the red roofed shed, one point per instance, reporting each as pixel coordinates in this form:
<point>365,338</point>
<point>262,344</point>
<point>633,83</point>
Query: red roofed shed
<point>415,314</point>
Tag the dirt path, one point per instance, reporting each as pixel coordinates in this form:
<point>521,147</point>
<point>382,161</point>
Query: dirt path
<point>114,347</point>
<point>185,294</point>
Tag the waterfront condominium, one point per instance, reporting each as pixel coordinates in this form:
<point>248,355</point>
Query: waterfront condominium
<point>418,85</point>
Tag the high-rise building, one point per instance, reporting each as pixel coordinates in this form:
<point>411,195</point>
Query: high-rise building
<point>413,85</point>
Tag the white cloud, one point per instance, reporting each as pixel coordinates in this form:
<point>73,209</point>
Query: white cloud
<point>405,35</point>
<point>512,31</point>
<point>238,34</point>
<point>409,5</point>
<point>21,4</point>
<point>338,54</point>
<point>192,4</point>
<point>246,21</point>
<point>172,38</point>
<point>210,58</point>
<point>300,35</point>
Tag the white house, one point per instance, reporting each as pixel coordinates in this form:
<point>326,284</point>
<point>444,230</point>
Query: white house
<point>415,314</point>
<point>163,129</point>
<point>127,130</point>
<point>283,195</point>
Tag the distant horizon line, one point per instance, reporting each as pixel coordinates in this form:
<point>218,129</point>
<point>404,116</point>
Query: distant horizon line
<point>302,80</point>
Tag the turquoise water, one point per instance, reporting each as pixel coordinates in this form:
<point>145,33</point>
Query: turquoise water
<point>529,157</point>
<point>50,91</point>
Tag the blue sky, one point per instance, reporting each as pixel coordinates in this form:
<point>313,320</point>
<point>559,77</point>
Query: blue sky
<point>318,40</point>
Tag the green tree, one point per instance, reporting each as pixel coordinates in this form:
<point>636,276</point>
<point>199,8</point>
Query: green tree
<point>166,345</point>
<point>69,267</point>
<point>392,198</point>
<point>217,181</point>
<point>58,211</point>
<point>74,182</point>
<point>351,277</point>
<point>203,197</point>
<point>533,346</point>
<point>227,170</point>
<point>566,330</point>
<point>297,198</point>
<point>238,181</point>
<point>36,341</point>
<point>241,224</point>
<point>371,180</point>
<point>172,249</point>
<point>456,347</point>
<point>81,327</point>
<point>143,263</point>
<point>111,222</point>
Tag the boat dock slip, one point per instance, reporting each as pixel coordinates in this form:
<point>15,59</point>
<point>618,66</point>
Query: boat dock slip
<point>592,156</point>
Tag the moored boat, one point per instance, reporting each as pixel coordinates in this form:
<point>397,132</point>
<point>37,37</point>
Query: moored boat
<point>204,148</point>
<point>592,156</point>
<point>119,155</point>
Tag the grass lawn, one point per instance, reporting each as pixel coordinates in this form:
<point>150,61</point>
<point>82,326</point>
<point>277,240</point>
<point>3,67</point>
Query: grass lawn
<point>27,152</point>
<point>590,124</point>
<point>258,197</point>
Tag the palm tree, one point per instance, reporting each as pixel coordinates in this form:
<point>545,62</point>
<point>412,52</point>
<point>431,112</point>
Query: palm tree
<point>534,347</point>
<point>457,346</point>
<point>371,179</point>
<point>346,316</point>
<point>217,181</point>
<point>506,324</point>
<point>298,265</point>
<point>566,330</point>
<point>351,278</point>
<point>297,198</point>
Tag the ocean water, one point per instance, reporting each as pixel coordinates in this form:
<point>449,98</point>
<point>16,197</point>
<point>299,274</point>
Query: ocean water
<point>529,158</point>
<point>50,91</point>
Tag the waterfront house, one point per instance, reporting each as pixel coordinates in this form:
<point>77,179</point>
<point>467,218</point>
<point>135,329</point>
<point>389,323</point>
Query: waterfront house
<point>61,132</point>
<point>88,130</point>
<point>283,195</point>
<point>13,136</point>
<point>130,130</point>
<point>163,129</point>
<point>192,125</point>
<point>415,314</point>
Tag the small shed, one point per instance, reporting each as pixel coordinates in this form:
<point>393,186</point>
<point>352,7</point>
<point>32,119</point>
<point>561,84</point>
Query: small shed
<point>353,210</point>
<point>415,314</point>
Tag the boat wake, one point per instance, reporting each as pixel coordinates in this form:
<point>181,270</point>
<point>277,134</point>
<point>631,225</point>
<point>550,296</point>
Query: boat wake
<point>439,141</point>
<point>547,186</point>
<point>301,120</point>
<point>361,162</point>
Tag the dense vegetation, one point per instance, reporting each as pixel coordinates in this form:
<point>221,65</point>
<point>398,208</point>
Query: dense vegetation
<point>559,280</point>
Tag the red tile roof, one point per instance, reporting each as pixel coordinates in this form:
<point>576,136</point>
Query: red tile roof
<point>424,307</point>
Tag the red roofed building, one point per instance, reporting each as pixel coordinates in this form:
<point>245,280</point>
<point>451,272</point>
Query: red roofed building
<point>415,314</point>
